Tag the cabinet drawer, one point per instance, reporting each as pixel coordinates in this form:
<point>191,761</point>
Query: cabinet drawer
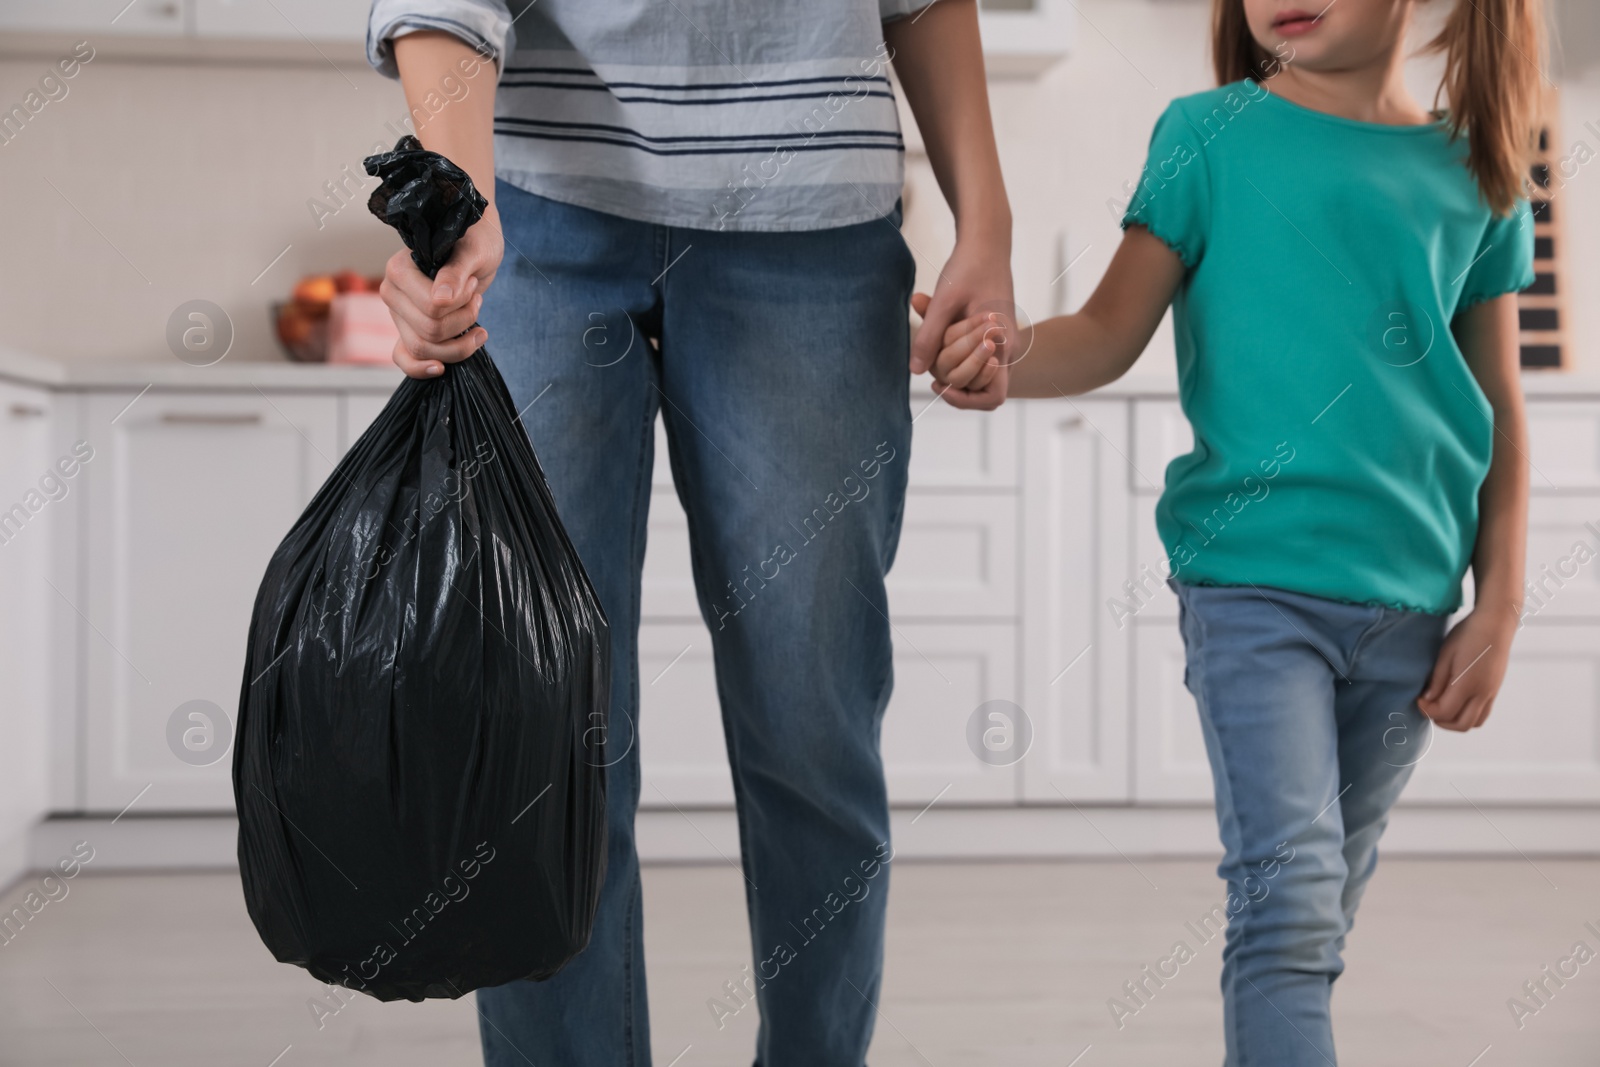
<point>1564,558</point>
<point>942,674</point>
<point>955,449</point>
<point>1160,435</point>
<point>957,559</point>
<point>668,590</point>
<point>1543,741</point>
<point>950,449</point>
<point>1564,445</point>
<point>1169,761</point>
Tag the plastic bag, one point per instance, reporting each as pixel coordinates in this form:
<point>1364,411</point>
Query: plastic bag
<point>419,768</point>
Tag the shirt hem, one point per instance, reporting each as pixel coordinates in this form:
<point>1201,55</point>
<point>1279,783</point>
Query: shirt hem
<point>1373,602</point>
<point>529,183</point>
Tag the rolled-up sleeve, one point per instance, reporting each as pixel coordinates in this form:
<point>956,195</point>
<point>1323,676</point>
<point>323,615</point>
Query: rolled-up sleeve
<point>483,24</point>
<point>889,10</point>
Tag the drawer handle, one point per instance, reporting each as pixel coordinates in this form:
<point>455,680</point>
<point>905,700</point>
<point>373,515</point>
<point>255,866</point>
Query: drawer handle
<point>27,411</point>
<point>187,418</point>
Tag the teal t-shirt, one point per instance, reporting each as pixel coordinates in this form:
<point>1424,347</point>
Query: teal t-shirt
<point>1339,438</point>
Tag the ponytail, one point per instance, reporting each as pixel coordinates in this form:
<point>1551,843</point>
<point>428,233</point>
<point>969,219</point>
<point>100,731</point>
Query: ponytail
<point>1494,81</point>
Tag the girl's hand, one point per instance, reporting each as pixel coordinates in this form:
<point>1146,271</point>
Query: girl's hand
<point>975,282</point>
<point>437,318</point>
<point>969,358</point>
<point>1471,665</point>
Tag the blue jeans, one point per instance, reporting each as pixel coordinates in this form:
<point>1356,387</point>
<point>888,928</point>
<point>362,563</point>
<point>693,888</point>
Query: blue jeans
<point>778,362</point>
<point>1310,719</point>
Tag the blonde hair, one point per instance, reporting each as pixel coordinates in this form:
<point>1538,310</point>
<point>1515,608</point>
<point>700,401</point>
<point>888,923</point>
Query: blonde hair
<point>1494,76</point>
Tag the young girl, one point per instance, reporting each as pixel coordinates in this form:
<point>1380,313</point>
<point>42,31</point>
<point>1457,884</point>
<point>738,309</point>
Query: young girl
<point>1342,267</point>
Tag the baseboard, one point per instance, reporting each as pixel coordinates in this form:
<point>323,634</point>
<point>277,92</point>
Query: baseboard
<point>950,833</point>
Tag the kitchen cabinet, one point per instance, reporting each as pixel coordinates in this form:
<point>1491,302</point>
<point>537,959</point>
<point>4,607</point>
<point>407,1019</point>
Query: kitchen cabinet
<point>1026,587</point>
<point>953,597</point>
<point>32,513</point>
<point>1542,742</point>
<point>298,20</point>
<point>188,496</point>
<point>94,19</point>
<point>1075,553</point>
<point>1542,745</point>
<point>315,20</point>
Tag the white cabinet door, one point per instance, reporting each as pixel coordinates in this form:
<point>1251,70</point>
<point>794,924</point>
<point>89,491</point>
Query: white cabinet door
<point>97,18</point>
<point>32,491</point>
<point>1564,557</point>
<point>317,20</point>
<point>943,674</point>
<point>1142,592</point>
<point>1076,538</point>
<point>668,583</point>
<point>359,409</point>
<point>1169,749</point>
<point>1161,434</point>
<point>683,757</point>
<point>1543,741</point>
<point>189,494</point>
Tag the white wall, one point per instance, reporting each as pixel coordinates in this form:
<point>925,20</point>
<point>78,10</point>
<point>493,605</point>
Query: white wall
<point>199,175</point>
<point>189,180</point>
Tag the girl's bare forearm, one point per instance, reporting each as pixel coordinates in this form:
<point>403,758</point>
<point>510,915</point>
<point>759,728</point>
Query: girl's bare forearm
<point>1489,340</point>
<point>1068,355</point>
<point>1073,354</point>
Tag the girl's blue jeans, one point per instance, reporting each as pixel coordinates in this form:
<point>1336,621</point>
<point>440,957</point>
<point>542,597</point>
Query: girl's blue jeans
<point>778,364</point>
<point>1310,719</point>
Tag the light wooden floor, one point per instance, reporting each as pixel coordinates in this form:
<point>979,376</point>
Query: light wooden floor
<point>987,964</point>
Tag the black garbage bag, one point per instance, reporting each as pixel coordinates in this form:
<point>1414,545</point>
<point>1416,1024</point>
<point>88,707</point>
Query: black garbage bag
<point>419,767</point>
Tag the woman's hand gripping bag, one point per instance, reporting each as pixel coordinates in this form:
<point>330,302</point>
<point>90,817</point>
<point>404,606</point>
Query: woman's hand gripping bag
<point>420,770</point>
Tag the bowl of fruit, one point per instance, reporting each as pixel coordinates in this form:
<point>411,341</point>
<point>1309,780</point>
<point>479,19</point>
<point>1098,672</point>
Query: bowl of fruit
<point>301,321</point>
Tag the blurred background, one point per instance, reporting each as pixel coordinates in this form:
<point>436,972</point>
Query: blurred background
<point>186,326</point>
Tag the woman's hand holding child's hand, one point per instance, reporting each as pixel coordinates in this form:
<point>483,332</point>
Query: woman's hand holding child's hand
<point>971,353</point>
<point>1471,665</point>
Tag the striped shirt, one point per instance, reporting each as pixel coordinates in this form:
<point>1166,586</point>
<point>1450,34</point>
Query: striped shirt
<point>761,116</point>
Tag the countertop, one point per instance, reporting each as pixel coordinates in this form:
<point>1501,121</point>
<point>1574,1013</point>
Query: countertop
<point>273,375</point>
<point>281,376</point>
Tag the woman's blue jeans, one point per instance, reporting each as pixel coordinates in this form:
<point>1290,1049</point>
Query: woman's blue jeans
<point>778,362</point>
<point>1310,719</point>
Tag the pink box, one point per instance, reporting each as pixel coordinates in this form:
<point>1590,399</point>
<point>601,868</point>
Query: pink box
<point>360,329</point>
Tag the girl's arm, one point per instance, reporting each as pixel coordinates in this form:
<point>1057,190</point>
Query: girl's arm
<point>1472,662</point>
<point>1073,354</point>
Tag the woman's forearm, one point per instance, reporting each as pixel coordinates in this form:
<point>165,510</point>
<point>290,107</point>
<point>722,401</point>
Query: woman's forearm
<point>938,57</point>
<point>434,70</point>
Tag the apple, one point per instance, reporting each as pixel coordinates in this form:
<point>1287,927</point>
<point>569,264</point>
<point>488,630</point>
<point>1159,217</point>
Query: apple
<point>315,289</point>
<point>348,281</point>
